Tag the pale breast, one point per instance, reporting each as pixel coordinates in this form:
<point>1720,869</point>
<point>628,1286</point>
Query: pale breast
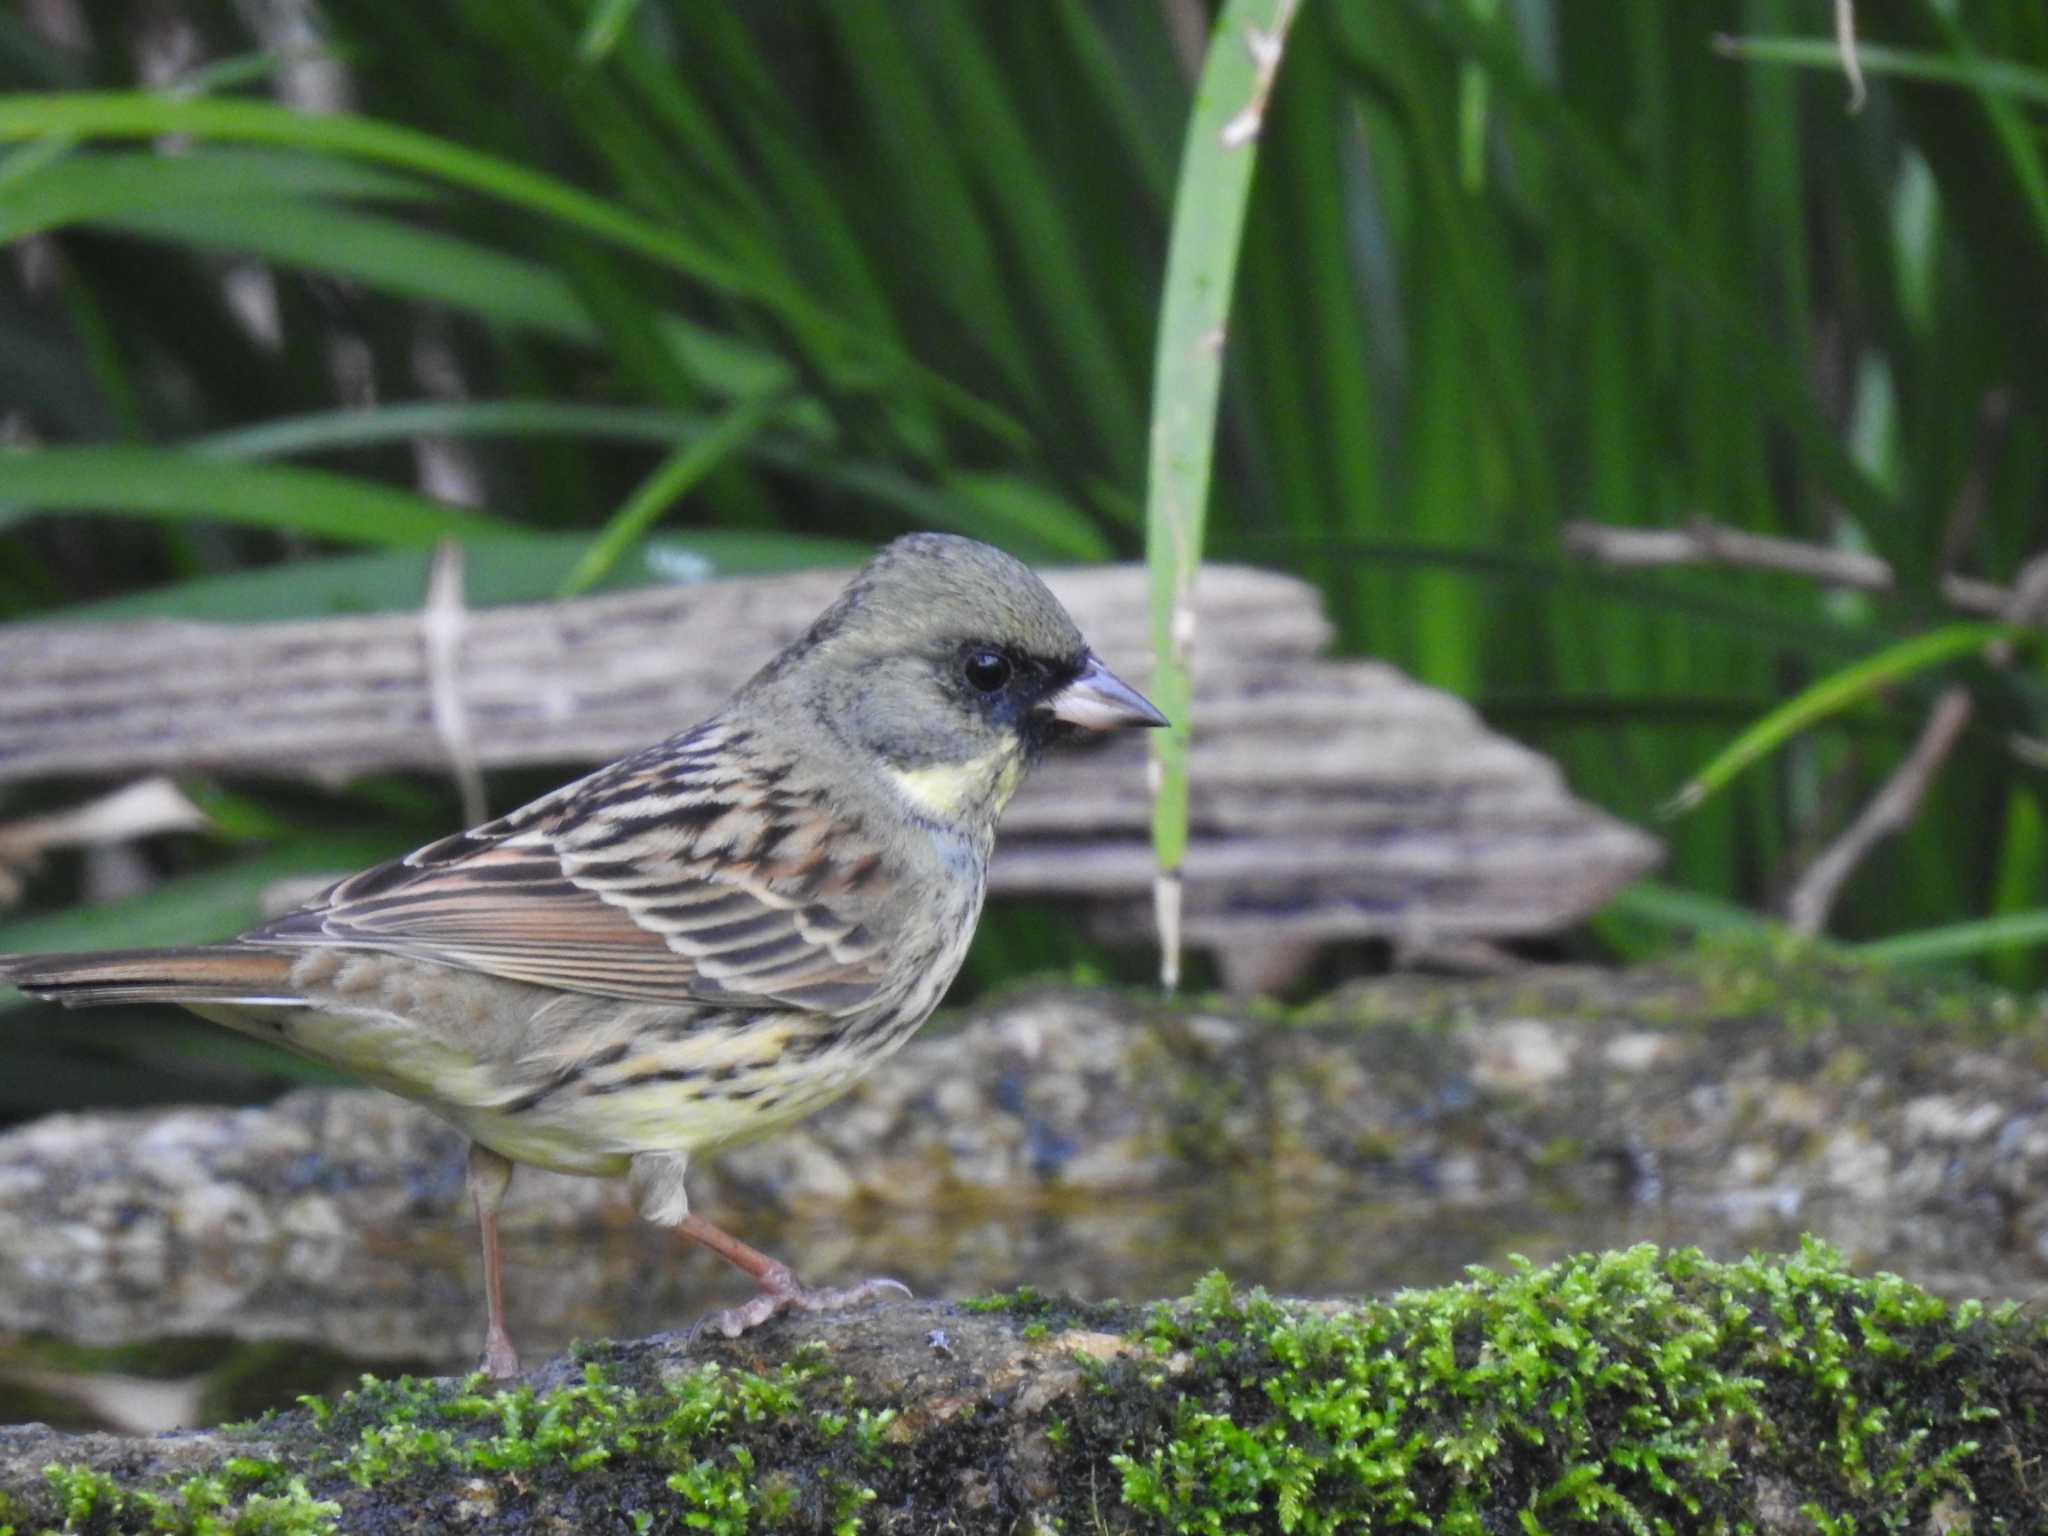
<point>582,1084</point>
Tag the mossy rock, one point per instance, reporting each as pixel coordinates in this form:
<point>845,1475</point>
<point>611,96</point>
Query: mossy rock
<point>1637,1391</point>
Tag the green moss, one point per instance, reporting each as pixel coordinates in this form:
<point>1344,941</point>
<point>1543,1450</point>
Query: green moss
<point>244,1498</point>
<point>1635,1391</point>
<point>1806,988</point>
<point>1026,1304</point>
<point>687,1436</point>
<point>692,1430</point>
<point>1638,1392</point>
<point>1038,1315</point>
<point>1794,987</point>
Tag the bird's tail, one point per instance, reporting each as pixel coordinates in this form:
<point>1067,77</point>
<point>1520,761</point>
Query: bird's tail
<point>225,974</point>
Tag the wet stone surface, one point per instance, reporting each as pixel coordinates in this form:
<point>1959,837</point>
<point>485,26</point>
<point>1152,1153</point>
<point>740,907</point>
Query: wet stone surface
<point>1097,1143</point>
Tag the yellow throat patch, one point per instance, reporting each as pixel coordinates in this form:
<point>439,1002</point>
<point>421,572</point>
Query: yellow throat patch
<point>952,791</point>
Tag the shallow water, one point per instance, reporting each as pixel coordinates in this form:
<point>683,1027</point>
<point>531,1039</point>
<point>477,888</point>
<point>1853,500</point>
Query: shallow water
<point>167,1339</point>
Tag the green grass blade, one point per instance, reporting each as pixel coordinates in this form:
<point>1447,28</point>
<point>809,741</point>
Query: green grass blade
<point>1629,204</point>
<point>526,568</point>
<point>1998,76</point>
<point>2016,879</point>
<point>1096,60</point>
<point>928,185</point>
<point>1201,266</point>
<point>79,187</point>
<point>1835,693</point>
<point>327,431</point>
<point>185,487</point>
<point>428,264</point>
<point>671,480</point>
<point>117,114</point>
<point>1959,941</point>
<point>1681,911</point>
<point>239,70</point>
<point>608,22</point>
<point>371,248</point>
<point>196,908</point>
<point>1028,519</point>
<point>2015,135</point>
<point>1023,518</point>
<point>1039,220</point>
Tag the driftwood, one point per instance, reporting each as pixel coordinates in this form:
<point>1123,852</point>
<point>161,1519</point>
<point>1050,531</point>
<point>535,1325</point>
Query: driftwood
<point>1330,797</point>
<point>569,682</point>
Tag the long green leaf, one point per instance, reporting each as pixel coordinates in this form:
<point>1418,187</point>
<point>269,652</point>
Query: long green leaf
<point>2015,135</point>
<point>608,22</point>
<point>670,481</point>
<point>1835,693</point>
<point>194,909</point>
<point>1022,517</point>
<point>372,248</point>
<point>76,188</point>
<point>1624,201</point>
<point>425,263</point>
<point>182,486</point>
<point>1027,518</point>
<point>327,431</point>
<point>526,568</point>
<point>118,114</point>
<point>1692,912</point>
<point>1201,267</point>
<point>1959,941</point>
<point>2000,76</point>
<point>115,114</point>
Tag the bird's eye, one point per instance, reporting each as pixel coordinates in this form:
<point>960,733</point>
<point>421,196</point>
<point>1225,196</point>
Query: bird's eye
<point>987,670</point>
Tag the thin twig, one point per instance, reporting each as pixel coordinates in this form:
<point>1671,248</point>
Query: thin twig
<point>1703,541</point>
<point>1891,810</point>
<point>1845,44</point>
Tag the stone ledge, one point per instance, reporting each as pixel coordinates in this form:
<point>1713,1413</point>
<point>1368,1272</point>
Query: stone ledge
<point>1727,1084</point>
<point>1618,1392</point>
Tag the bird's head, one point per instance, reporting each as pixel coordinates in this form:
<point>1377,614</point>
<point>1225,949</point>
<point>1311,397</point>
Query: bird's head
<point>953,666</point>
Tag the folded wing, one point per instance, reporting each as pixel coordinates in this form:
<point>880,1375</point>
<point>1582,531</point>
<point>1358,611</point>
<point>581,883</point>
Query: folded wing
<point>688,874</point>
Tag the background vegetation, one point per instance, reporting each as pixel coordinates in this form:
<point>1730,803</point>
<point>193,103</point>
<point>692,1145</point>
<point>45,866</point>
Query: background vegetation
<point>797,278</point>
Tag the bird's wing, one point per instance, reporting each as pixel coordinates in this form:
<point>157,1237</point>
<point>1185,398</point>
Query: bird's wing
<point>687,874</point>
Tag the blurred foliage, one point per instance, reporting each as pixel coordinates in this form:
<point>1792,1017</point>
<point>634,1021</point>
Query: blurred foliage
<point>828,272</point>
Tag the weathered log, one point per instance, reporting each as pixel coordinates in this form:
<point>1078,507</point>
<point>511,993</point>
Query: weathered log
<point>570,682</point>
<point>1330,798</point>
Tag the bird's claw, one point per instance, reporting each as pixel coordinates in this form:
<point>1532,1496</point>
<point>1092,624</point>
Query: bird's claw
<point>772,1300</point>
<point>501,1360</point>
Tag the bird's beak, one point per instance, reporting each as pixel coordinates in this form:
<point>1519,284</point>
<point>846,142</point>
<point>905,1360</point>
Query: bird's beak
<point>1098,700</point>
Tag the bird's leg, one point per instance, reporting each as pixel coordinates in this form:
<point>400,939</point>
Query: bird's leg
<point>780,1291</point>
<point>658,1191</point>
<point>490,1175</point>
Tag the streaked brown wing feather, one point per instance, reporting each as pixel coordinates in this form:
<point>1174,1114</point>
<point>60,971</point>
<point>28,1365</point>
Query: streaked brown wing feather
<point>687,874</point>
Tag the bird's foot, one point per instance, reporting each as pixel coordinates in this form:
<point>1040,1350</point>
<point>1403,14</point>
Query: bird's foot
<point>500,1359</point>
<point>782,1292</point>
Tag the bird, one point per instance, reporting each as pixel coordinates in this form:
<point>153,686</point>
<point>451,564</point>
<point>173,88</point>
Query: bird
<point>694,945</point>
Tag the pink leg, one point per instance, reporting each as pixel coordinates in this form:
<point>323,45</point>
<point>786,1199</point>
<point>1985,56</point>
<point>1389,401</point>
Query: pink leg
<point>781,1291</point>
<point>490,1175</point>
